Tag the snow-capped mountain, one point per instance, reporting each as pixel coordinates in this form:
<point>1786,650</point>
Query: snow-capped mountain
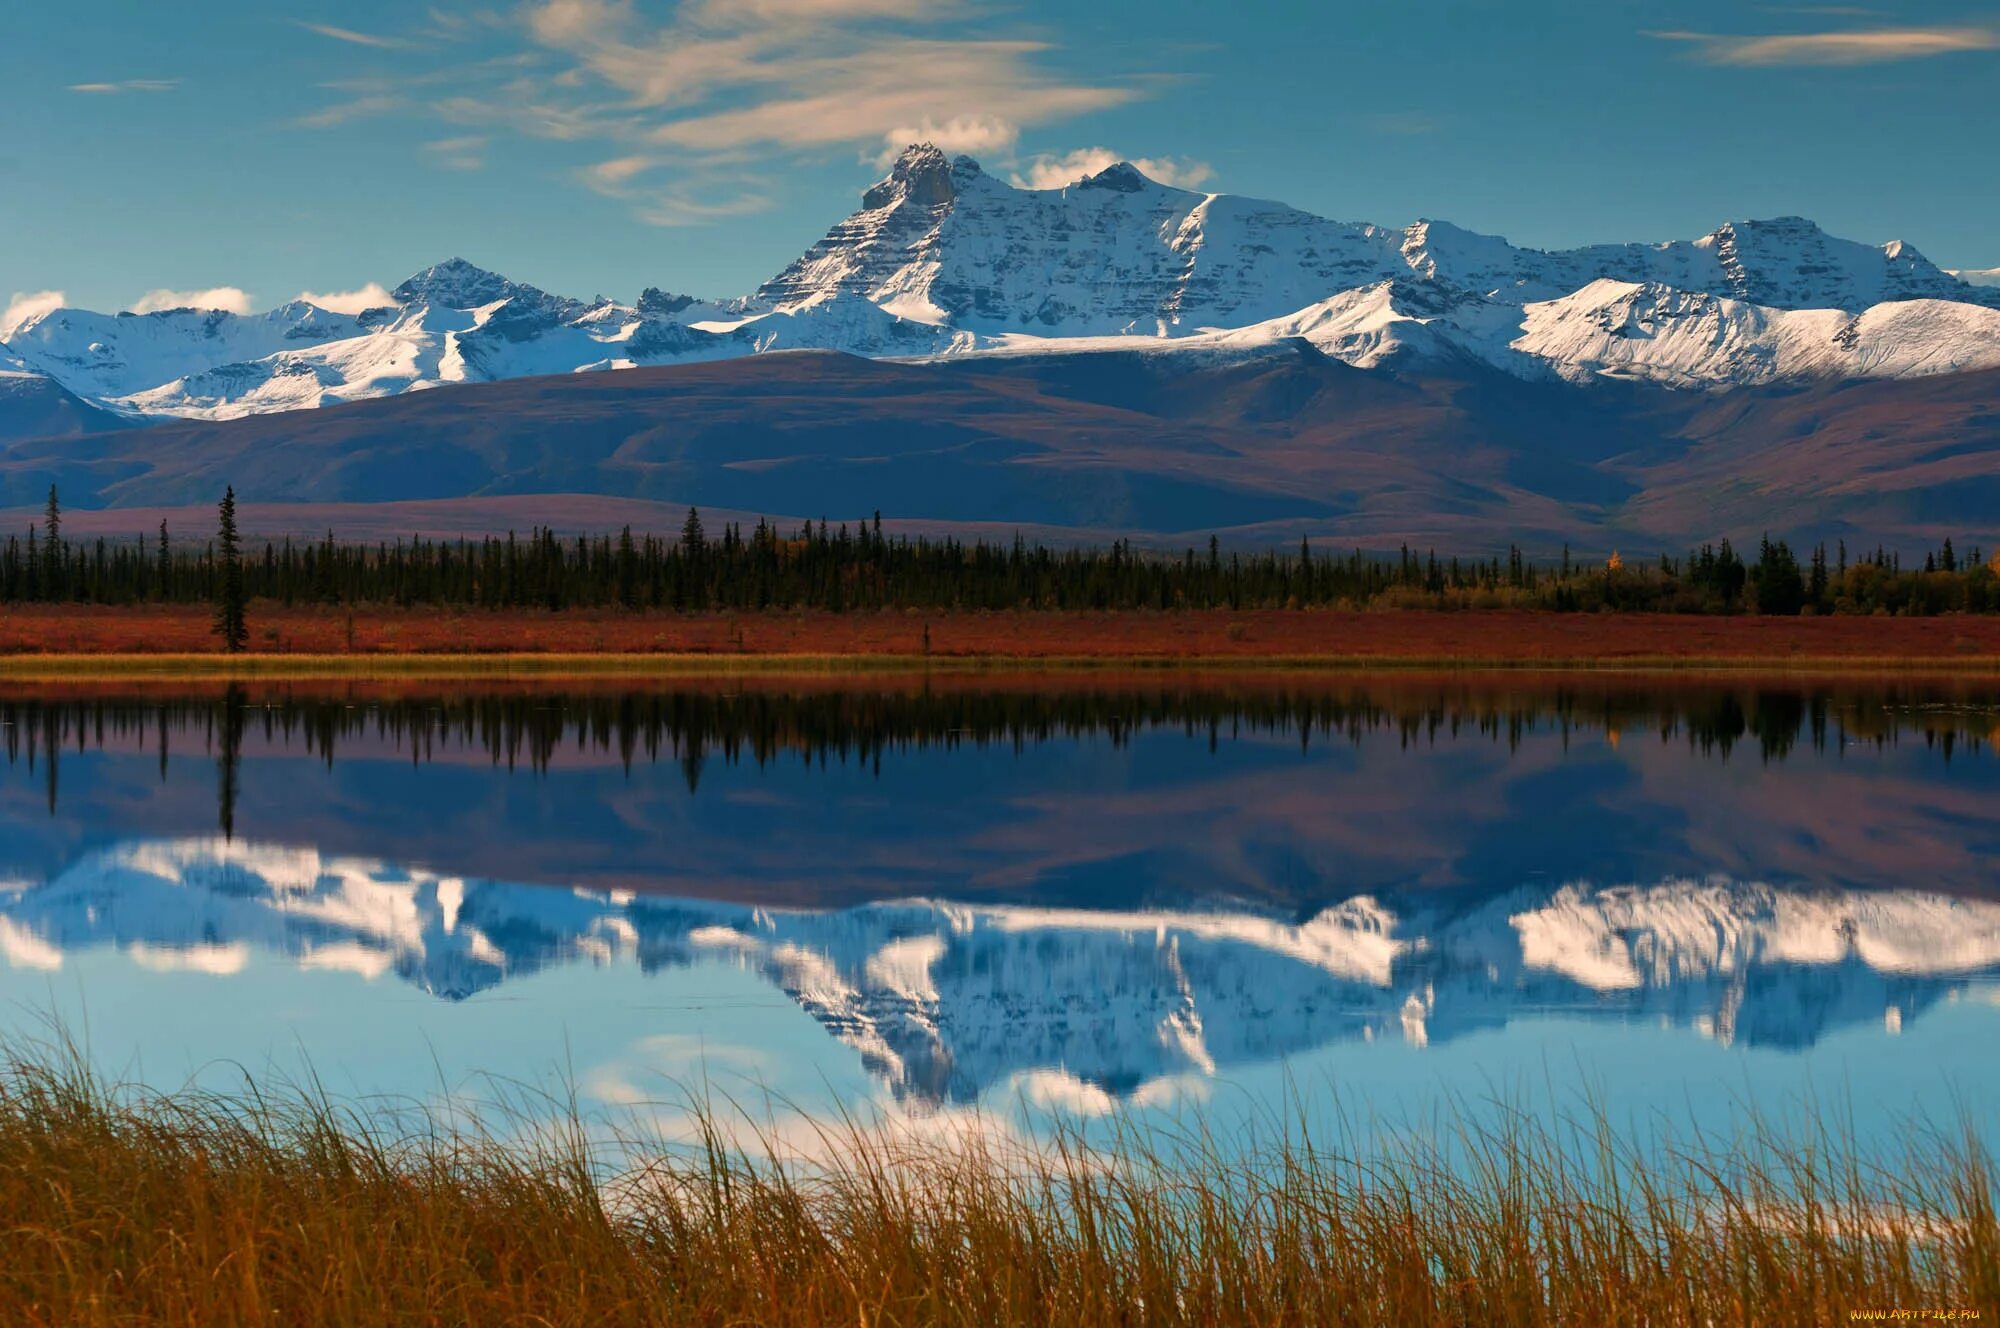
<point>107,357</point>
<point>946,1001</point>
<point>944,258</point>
<point>1118,253</point>
<point>1685,339</point>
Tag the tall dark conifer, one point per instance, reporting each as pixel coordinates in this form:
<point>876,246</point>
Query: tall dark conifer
<point>52,555</point>
<point>230,605</point>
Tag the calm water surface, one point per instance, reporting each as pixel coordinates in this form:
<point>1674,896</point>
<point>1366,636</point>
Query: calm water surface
<point>1132,900</point>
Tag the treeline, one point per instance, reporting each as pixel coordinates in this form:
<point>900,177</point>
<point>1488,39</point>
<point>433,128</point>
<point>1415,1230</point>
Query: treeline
<point>858,567</point>
<point>529,730</point>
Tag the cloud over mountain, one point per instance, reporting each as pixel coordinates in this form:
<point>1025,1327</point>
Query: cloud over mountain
<point>230,299</point>
<point>24,305</point>
<point>1053,172</point>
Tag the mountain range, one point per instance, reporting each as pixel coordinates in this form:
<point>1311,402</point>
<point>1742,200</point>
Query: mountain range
<point>945,259</point>
<point>1166,361</point>
<point>945,1001</point>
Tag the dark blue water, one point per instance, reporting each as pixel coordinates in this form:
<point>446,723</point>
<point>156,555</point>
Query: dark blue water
<point>966,901</point>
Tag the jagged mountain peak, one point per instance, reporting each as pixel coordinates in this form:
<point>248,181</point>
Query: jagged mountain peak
<point>656,302</point>
<point>1790,225</point>
<point>920,156</point>
<point>922,175</point>
<point>1791,262</point>
<point>458,284</point>
<point>1119,177</point>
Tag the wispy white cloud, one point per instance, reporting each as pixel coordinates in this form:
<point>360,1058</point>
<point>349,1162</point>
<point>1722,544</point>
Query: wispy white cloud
<point>682,198</point>
<point>467,152</point>
<point>465,24</point>
<point>579,22</point>
<point>607,177</point>
<point>859,96</point>
<point>1857,47</point>
<point>230,298</point>
<point>353,38</point>
<point>24,305</point>
<point>673,208</point>
<point>814,11</point>
<point>355,108</point>
<point>717,91</point>
<point>1055,171</point>
<point>526,106</point>
<point>371,296</point>
<point>980,135</point>
<point>731,82</point>
<point>417,91</point>
<point>128,85</point>
<point>455,75</point>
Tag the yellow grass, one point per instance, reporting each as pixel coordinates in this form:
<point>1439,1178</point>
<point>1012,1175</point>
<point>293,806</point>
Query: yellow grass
<point>122,1207</point>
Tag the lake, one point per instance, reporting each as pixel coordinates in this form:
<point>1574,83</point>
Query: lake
<point>1114,899</point>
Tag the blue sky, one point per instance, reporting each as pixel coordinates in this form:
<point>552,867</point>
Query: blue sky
<point>592,146</point>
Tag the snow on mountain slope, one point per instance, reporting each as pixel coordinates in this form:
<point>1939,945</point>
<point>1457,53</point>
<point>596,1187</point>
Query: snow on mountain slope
<point>1118,253</point>
<point>944,259</point>
<point>394,358</point>
<point>519,338</point>
<point>106,356</point>
<point>1617,329</point>
<point>1114,253</point>
<point>1400,319</point>
<point>849,323</point>
<point>949,1001</point>
<point>1783,263</point>
<point>457,284</point>
<point>1686,339</point>
<point>459,324</point>
<point>1984,277</point>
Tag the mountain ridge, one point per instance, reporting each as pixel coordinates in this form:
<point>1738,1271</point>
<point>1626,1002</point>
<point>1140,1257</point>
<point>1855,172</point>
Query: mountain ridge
<point>1261,446</point>
<point>945,259</point>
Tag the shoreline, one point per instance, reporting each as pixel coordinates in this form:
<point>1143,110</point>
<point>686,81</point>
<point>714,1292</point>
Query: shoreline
<point>140,667</point>
<point>63,642</point>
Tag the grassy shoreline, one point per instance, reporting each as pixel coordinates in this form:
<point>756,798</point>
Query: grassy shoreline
<point>67,667</point>
<point>128,1206</point>
<point>313,640</point>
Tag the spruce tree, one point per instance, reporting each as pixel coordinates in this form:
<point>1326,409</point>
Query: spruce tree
<point>628,570</point>
<point>52,555</point>
<point>229,610</point>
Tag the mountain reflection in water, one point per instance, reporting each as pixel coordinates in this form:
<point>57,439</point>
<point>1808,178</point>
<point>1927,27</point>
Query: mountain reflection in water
<point>943,1001</point>
<point>964,885</point>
